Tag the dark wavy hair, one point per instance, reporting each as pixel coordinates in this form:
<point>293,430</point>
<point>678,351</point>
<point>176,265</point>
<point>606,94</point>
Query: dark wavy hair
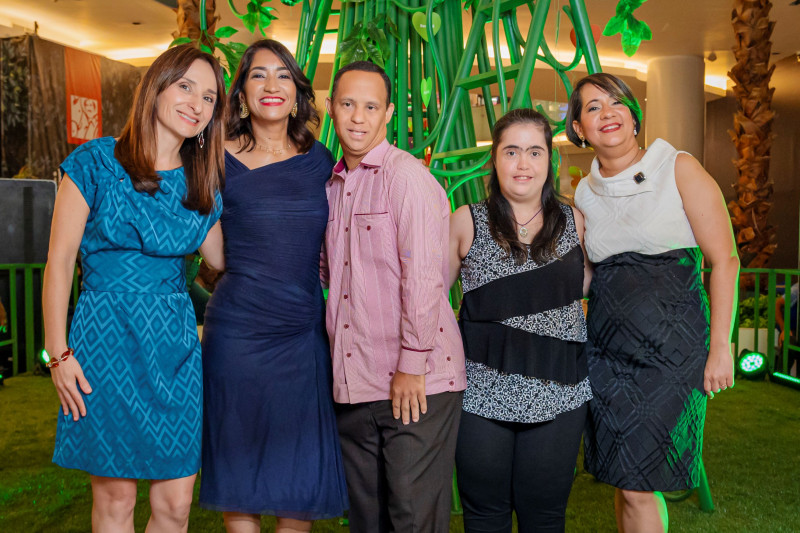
<point>137,146</point>
<point>612,86</point>
<point>300,134</point>
<point>501,216</point>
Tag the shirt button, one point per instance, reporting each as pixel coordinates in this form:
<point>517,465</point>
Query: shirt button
<point>346,326</point>
<point>347,229</point>
<point>375,171</point>
<point>441,329</point>
<point>452,383</point>
<point>346,263</point>
<point>348,194</point>
<point>348,354</point>
<point>391,373</point>
<point>369,228</point>
<point>345,297</point>
<point>448,358</point>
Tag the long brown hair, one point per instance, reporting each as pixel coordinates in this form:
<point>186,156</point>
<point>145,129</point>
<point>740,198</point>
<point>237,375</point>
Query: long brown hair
<point>501,216</point>
<point>137,146</point>
<point>299,133</point>
<point>612,86</point>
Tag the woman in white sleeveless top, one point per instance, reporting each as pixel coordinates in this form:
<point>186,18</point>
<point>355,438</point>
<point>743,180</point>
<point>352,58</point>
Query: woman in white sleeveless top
<point>655,353</point>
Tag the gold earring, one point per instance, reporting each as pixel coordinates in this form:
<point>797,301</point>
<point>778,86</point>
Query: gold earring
<point>244,111</point>
<point>293,112</point>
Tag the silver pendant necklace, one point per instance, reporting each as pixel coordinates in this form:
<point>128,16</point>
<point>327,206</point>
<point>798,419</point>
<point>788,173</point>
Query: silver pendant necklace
<point>523,231</point>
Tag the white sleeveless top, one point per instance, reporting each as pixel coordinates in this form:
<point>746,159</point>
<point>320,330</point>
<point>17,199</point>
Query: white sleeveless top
<point>638,210</point>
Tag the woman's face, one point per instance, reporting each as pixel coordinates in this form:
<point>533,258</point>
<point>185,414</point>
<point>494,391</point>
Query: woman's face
<point>184,108</point>
<point>269,90</point>
<point>605,121</point>
<point>522,162</point>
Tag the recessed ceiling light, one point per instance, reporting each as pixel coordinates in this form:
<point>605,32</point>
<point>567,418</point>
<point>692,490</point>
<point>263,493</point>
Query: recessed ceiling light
<point>136,23</point>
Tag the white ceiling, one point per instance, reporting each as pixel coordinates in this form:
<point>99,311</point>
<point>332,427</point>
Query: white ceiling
<point>137,30</point>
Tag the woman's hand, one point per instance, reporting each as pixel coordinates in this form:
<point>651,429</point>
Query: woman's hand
<point>68,377</point>
<point>718,374</point>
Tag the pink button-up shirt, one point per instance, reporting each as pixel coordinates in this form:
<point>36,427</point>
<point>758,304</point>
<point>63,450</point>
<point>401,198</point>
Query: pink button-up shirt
<point>388,308</point>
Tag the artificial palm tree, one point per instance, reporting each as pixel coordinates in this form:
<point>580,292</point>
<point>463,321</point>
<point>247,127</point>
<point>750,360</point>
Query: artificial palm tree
<point>752,132</point>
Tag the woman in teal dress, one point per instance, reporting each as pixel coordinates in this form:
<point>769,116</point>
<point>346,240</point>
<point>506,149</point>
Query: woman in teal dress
<point>129,380</point>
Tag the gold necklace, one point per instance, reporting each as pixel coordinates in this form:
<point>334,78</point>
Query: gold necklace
<point>273,151</point>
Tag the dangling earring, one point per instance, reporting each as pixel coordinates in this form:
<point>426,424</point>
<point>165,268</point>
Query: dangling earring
<point>200,140</point>
<point>635,132</point>
<point>244,111</point>
<point>583,142</point>
<point>293,112</point>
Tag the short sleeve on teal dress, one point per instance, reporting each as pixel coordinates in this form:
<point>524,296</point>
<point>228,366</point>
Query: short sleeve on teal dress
<point>81,166</point>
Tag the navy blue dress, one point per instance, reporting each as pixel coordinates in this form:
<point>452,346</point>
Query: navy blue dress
<point>270,443</point>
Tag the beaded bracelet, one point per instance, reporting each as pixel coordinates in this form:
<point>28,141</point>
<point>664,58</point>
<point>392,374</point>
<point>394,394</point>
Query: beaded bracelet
<point>52,363</point>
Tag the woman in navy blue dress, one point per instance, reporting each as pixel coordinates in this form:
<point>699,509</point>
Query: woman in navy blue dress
<point>270,444</point>
<point>129,382</point>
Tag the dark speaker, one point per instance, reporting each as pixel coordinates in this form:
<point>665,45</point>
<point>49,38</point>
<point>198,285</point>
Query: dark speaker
<point>26,208</point>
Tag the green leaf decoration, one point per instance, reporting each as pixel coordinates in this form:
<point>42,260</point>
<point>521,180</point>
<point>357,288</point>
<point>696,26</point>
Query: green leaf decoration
<point>205,48</point>
<point>179,41</point>
<point>374,53</point>
<point>391,27</point>
<point>420,22</point>
<point>290,3</point>
<point>614,26</point>
<point>426,88</point>
<point>632,30</point>
<point>224,32</point>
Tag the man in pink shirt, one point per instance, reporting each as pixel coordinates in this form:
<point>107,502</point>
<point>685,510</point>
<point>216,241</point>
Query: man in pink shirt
<point>398,361</point>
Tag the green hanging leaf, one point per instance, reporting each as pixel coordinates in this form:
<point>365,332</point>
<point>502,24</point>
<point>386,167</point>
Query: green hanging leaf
<point>647,33</point>
<point>179,41</point>
<point>379,38</point>
<point>374,53</point>
<point>224,32</point>
<point>614,26</point>
<point>426,88</point>
<point>630,43</point>
<point>391,27</point>
<point>420,23</point>
<point>205,48</point>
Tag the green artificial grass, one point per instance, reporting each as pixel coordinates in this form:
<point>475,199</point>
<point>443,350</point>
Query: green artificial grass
<point>752,457</point>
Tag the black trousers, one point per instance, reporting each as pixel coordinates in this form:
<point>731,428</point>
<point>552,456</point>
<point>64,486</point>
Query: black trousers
<point>399,477</point>
<point>527,468</point>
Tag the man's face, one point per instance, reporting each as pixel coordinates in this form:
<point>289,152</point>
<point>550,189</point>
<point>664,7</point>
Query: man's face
<point>359,113</point>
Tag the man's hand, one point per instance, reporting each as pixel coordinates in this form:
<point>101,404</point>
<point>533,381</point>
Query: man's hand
<point>407,393</point>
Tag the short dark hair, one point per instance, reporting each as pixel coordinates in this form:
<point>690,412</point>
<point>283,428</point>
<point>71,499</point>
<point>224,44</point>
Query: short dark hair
<point>364,66</point>
<point>299,133</point>
<point>612,86</point>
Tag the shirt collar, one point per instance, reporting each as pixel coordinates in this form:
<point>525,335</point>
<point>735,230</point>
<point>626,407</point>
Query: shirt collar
<point>374,158</point>
<point>637,178</point>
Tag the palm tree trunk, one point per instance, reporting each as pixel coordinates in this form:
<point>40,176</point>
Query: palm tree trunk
<point>752,133</point>
<point>189,20</point>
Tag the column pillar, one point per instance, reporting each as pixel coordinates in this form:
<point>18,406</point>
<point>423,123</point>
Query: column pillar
<point>675,109</point>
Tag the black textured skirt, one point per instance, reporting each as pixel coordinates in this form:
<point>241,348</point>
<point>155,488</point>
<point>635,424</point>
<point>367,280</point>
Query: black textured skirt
<point>648,338</point>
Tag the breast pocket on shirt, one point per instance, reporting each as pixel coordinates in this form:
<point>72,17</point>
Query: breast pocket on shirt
<point>375,237</point>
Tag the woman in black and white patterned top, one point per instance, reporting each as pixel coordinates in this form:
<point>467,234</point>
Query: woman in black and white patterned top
<point>524,274</point>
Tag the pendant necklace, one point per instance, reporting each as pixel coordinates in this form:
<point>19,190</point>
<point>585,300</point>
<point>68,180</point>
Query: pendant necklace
<point>523,231</point>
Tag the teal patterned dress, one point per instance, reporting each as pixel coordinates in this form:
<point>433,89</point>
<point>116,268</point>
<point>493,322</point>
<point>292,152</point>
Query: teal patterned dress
<point>134,330</point>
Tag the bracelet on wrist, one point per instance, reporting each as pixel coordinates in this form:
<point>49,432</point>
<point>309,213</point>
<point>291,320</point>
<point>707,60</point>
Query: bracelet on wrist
<point>53,363</point>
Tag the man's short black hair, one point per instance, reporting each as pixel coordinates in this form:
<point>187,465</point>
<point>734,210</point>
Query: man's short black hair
<point>364,66</point>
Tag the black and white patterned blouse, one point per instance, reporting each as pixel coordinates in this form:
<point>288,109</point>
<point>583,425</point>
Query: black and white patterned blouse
<point>523,328</point>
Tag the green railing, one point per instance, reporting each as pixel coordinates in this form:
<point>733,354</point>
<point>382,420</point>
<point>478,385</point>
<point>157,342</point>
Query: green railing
<point>25,312</point>
<point>31,313</point>
<point>764,304</point>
